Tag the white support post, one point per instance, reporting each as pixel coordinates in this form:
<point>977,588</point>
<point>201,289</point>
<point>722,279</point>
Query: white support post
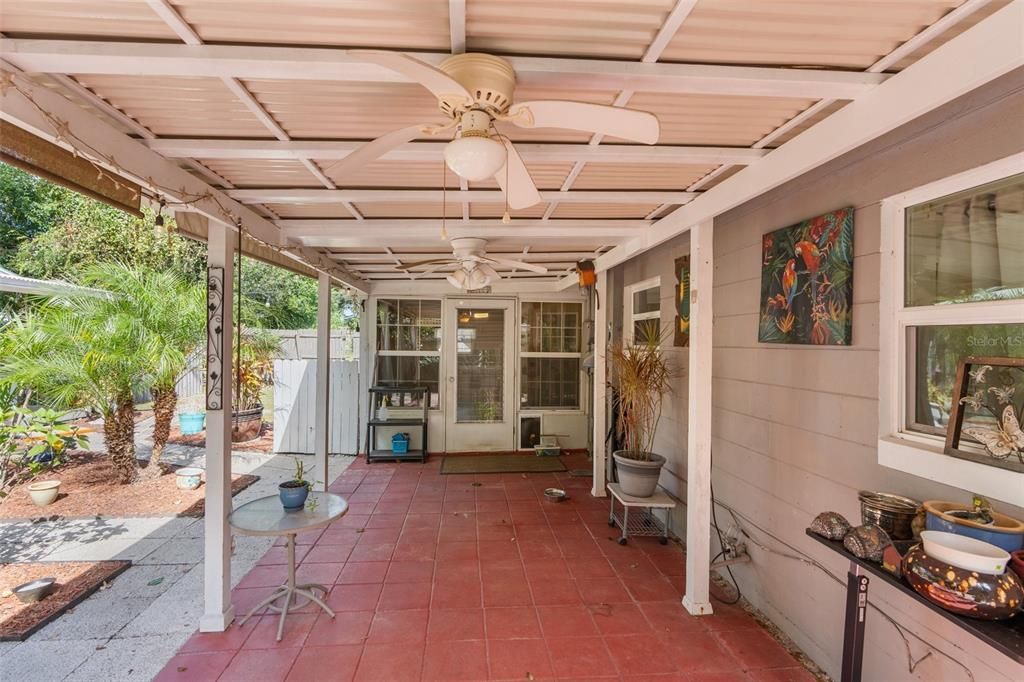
<point>218,611</point>
<point>698,438</point>
<point>323,377</point>
<point>600,407</point>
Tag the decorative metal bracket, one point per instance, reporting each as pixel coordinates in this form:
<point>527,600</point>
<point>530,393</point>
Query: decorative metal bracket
<point>214,338</point>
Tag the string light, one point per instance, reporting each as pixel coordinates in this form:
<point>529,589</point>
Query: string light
<point>81,149</point>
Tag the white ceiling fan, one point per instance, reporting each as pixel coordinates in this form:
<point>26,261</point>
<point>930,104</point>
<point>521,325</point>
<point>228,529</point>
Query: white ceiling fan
<point>476,268</point>
<point>473,90</point>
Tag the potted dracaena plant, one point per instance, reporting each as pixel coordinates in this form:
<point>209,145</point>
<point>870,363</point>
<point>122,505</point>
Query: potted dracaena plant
<point>642,378</point>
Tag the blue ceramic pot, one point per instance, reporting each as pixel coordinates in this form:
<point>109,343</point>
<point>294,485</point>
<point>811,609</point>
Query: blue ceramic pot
<point>191,423</point>
<point>1011,542</point>
<point>293,498</point>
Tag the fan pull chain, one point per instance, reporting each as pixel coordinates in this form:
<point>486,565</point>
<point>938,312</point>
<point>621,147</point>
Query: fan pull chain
<point>444,194</point>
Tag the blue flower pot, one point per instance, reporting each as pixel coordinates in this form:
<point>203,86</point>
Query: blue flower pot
<point>1011,542</point>
<point>293,498</point>
<point>191,423</point>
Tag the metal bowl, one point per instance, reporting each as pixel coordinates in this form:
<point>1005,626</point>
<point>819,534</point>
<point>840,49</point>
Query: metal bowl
<point>555,495</point>
<point>894,513</point>
<point>34,591</point>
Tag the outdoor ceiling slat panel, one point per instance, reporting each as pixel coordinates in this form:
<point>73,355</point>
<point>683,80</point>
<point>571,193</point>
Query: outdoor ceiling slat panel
<point>483,210</point>
<point>600,28</point>
<point>402,24</point>
<point>420,174</point>
<point>179,106</point>
<point>800,32</point>
<point>317,109</point>
<point>603,210</point>
<point>950,33</point>
<point>409,210</point>
<point>637,176</point>
<point>311,211</point>
<point>263,172</point>
<point>813,120</point>
<point>545,176</point>
<point>120,18</point>
<point>717,120</point>
<point>725,175</point>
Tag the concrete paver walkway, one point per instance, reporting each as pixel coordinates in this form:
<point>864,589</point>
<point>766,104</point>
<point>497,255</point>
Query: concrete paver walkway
<point>129,630</point>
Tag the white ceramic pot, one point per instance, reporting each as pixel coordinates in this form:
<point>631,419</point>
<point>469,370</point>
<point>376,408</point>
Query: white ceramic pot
<point>638,478</point>
<point>188,478</point>
<point>43,492</point>
<point>964,552</point>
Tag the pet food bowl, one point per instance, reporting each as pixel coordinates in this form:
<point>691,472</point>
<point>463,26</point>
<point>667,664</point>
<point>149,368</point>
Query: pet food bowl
<point>555,495</point>
<point>34,591</point>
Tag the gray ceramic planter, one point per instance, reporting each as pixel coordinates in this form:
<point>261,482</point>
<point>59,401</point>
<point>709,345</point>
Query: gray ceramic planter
<point>637,477</point>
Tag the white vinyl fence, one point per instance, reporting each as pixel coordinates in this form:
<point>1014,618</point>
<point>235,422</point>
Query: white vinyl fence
<point>295,401</point>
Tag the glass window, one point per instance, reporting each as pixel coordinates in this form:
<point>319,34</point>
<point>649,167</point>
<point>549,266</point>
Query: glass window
<point>643,312</point>
<point>967,246</point>
<point>647,300</point>
<point>409,345</point>
<point>551,344</point>
<point>964,248</point>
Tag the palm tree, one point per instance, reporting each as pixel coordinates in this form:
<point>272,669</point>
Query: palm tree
<point>82,352</point>
<point>171,312</point>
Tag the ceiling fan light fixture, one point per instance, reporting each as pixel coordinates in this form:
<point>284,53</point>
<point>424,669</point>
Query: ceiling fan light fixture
<point>474,156</point>
<point>478,279</point>
<point>490,273</point>
<point>457,279</point>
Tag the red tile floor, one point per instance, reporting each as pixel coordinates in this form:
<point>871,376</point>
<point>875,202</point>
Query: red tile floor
<point>476,577</point>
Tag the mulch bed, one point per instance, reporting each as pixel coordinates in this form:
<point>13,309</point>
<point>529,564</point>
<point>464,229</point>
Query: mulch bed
<point>76,580</point>
<point>89,487</point>
<point>265,443</point>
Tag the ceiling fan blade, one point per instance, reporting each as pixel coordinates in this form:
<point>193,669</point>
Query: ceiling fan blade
<point>521,190</point>
<point>374,149</point>
<point>417,264</point>
<point>426,271</point>
<point>629,124</point>
<point>430,77</point>
<point>539,269</point>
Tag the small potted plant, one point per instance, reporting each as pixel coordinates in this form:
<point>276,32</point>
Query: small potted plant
<point>293,493</point>
<point>642,379</point>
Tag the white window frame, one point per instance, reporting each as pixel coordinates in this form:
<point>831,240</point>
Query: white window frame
<point>627,302</point>
<point>899,448</point>
<point>410,353</point>
<point>538,411</point>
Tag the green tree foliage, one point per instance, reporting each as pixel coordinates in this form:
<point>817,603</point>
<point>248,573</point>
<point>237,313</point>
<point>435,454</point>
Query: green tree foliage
<point>275,298</point>
<point>28,206</point>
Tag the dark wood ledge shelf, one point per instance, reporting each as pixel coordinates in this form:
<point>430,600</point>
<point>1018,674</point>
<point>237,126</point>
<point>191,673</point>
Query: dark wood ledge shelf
<point>1005,636</point>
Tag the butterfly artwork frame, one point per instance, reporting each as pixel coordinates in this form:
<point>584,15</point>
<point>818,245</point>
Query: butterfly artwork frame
<point>1001,444</point>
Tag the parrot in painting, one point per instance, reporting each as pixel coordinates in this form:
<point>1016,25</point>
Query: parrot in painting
<point>789,282</point>
<point>810,255</point>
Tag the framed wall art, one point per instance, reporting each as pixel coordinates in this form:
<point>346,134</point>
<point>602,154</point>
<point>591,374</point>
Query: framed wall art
<point>682,328</point>
<point>987,412</point>
<point>807,282</point>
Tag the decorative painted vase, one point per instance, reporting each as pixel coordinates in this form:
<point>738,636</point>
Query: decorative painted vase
<point>967,593</point>
<point>188,478</point>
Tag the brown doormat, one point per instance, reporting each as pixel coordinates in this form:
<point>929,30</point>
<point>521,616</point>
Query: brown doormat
<point>501,464</point>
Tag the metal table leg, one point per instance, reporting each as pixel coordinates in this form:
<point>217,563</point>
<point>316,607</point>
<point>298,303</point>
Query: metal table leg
<point>856,617</point>
<point>289,592</point>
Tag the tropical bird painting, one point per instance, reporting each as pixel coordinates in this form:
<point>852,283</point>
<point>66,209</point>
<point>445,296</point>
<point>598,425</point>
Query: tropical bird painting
<point>807,282</point>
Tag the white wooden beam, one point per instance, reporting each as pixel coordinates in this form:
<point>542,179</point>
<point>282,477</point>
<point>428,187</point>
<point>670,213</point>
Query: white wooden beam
<point>408,232</point>
<point>331,196</point>
<point>534,255</point>
<point>218,612</point>
<point>668,30</point>
<point>329,64</point>
<point>321,420</point>
<point>532,152</point>
<point>457,25</point>
<point>986,51</point>
<point>698,433</point>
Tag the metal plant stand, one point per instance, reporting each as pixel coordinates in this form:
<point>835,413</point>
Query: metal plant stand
<point>642,523</point>
<point>265,516</point>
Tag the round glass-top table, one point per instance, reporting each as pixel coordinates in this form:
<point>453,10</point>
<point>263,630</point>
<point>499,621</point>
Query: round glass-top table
<point>265,516</point>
